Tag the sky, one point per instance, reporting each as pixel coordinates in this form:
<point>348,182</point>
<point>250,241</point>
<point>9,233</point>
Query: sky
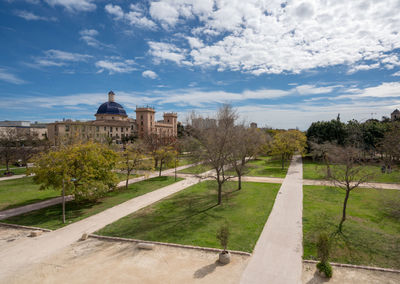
<point>281,64</point>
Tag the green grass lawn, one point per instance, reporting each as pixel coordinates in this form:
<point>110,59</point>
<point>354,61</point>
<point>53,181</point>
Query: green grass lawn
<point>265,167</point>
<point>122,177</point>
<point>22,191</point>
<point>373,236</point>
<point>191,217</point>
<point>15,170</point>
<point>51,217</point>
<point>198,169</point>
<point>315,170</point>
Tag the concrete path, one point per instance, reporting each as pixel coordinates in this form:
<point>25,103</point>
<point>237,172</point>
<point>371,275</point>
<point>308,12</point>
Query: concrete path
<point>13,177</point>
<point>21,254</point>
<point>277,257</point>
<point>31,207</point>
<point>57,200</point>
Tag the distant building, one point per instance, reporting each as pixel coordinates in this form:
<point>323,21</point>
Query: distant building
<point>113,123</point>
<point>395,115</point>
<point>23,127</point>
<point>253,125</point>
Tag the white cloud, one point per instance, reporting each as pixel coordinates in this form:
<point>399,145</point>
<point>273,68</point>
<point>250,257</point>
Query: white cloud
<point>135,17</point>
<point>54,57</point>
<point>29,16</point>
<point>384,90</point>
<point>6,76</point>
<point>74,5</point>
<point>261,37</point>
<point>89,36</point>
<point>149,74</point>
<point>396,73</point>
<point>116,65</point>
<point>162,51</point>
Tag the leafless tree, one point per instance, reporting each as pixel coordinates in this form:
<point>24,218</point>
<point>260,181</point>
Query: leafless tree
<point>348,172</point>
<point>246,144</point>
<point>213,140</point>
<point>390,145</point>
<point>8,146</point>
<point>321,151</point>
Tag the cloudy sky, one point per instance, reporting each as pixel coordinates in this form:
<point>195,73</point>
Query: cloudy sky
<point>280,63</point>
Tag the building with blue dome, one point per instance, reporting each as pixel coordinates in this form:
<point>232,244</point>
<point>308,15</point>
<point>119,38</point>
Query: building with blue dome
<point>113,124</point>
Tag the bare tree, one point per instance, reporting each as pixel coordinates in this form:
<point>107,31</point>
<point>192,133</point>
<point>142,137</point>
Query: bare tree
<point>390,146</point>
<point>213,138</point>
<point>321,151</point>
<point>8,146</point>
<point>246,144</point>
<point>348,172</point>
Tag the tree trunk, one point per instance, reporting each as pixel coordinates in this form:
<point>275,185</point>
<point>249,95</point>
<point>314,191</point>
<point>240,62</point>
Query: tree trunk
<point>155,163</point>
<point>344,210</point>
<point>175,170</point>
<point>283,161</point>
<point>239,174</point>
<point>160,168</point>
<point>219,193</point>
<point>127,180</point>
<point>63,201</point>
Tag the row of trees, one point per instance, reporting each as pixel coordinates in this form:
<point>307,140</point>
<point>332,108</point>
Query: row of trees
<point>225,143</point>
<point>19,146</point>
<point>371,137</point>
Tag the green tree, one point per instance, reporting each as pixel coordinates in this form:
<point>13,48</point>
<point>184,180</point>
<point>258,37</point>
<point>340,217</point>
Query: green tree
<point>287,143</point>
<point>132,158</point>
<point>84,170</point>
<point>165,156</point>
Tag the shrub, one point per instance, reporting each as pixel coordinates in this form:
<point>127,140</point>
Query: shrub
<point>323,247</point>
<point>326,268</point>
<point>223,236</point>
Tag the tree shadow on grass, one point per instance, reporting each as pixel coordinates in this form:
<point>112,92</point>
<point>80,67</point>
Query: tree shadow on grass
<point>205,270</point>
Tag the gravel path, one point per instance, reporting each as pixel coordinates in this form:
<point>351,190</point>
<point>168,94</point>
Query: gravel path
<point>277,257</point>
<point>23,253</point>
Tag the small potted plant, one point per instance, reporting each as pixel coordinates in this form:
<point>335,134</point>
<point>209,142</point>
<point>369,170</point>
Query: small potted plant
<point>223,236</point>
<point>323,248</point>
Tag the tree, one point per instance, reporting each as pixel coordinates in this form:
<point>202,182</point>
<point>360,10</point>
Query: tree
<point>286,143</point>
<point>132,158</point>
<point>212,139</point>
<point>8,146</point>
<point>348,173</point>
<point>84,170</point>
<point>166,156</point>
<point>321,151</point>
<point>246,144</point>
<point>390,146</point>
<point>327,131</point>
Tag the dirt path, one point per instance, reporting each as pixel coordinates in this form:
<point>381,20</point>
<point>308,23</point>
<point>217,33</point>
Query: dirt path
<point>25,252</point>
<point>95,261</point>
<point>277,256</point>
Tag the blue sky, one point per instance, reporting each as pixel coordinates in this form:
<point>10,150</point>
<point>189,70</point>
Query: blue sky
<point>282,64</point>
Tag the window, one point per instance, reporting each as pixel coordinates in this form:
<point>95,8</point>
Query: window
<point>97,128</point>
<point>141,117</point>
<point>141,123</point>
<point>67,127</point>
<point>111,128</point>
<point>105,128</point>
<point>112,117</point>
<point>151,123</point>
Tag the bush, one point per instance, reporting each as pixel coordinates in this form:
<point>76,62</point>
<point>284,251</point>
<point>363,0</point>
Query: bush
<point>326,268</point>
<point>223,236</point>
<point>323,247</point>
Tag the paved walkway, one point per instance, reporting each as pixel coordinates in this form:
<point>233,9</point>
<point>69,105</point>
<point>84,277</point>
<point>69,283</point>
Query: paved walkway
<point>13,177</point>
<point>277,257</point>
<point>57,200</point>
<point>31,207</point>
<point>23,253</point>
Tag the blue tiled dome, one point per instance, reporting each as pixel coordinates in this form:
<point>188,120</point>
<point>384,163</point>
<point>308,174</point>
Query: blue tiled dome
<point>111,108</point>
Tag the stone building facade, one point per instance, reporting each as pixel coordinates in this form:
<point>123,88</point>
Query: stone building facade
<point>395,115</point>
<point>36,129</point>
<point>113,124</point>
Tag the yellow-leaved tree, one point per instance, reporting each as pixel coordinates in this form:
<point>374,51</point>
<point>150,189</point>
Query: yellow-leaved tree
<point>287,143</point>
<point>83,170</point>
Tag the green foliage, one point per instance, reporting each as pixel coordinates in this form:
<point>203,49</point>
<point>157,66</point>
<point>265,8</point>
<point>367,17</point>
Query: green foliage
<point>327,131</point>
<point>326,268</point>
<point>223,235</point>
<point>85,170</point>
<point>287,143</point>
<point>323,247</point>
